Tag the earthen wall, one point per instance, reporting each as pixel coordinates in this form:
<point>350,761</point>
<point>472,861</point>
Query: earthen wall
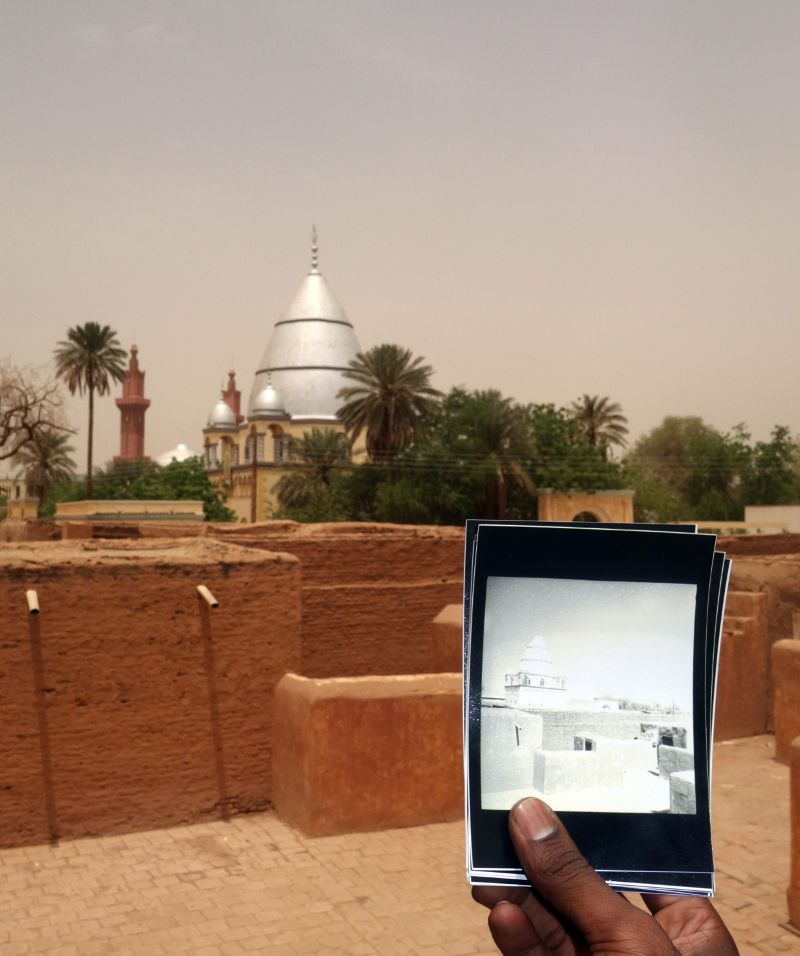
<point>370,592</point>
<point>127,702</point>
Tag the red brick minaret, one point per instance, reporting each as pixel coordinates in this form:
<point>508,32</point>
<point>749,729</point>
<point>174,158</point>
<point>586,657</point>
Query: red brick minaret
<point>132,407</point>
<point>233,397</point>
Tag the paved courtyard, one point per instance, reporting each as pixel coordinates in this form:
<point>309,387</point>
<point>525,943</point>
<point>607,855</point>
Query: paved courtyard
<point>255,886</point>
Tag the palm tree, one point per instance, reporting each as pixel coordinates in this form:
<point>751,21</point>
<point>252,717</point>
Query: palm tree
<point>318,455</point>
<point>88,361</point>
<point>600,421</point>
<point>46,461</point>
<point>499,443</point>
<point>392,395</point>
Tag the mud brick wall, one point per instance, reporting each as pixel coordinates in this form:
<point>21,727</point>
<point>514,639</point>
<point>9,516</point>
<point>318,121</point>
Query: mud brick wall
<point>368,753</point>
<point>743,689</point>
<point>793,890</point>
<point>777,576</point>
<point>370,591</point>
<point>562,726</point>
<point>786,668</point>
<point>127,703</point>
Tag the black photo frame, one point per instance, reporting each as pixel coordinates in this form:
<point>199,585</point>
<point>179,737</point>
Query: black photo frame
<point>673,850</point>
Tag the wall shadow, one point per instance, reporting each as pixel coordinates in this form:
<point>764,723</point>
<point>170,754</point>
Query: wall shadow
<point>213,703</point>
<point>40,702</point>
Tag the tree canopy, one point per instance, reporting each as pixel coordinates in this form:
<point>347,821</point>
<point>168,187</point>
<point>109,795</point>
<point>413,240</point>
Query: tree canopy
<point>391,396</point>
<point>316,458</point>
<point>88,361</point>
<point>141,479</point>
<point>685,469</point>
<point>600,421</point>
<point>30,405</point>
<point>46,462</point>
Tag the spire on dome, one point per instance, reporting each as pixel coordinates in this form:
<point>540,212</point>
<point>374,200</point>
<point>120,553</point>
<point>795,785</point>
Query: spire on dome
<point>314,251</point>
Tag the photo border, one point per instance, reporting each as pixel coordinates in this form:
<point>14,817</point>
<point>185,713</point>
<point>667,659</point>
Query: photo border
<point>610,841</point>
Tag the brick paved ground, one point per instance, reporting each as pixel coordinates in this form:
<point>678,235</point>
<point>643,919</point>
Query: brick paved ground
<point>255,886</point>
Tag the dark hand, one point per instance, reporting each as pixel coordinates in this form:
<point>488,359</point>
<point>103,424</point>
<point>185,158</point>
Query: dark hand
<point>571,911</point>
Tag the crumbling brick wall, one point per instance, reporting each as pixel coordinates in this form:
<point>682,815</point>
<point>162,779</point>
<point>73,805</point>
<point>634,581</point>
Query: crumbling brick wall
<point>127,703</point>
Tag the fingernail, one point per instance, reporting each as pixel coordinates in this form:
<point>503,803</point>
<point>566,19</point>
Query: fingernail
<point>534,819</point>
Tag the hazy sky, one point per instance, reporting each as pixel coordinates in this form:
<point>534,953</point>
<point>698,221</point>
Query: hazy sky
<point>549,198</point>
<point>618,638</point>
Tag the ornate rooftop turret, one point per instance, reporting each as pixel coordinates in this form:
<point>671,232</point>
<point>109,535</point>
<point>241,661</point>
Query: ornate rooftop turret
<point>310,349</point>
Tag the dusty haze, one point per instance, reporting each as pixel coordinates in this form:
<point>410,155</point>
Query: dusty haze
<point>546,198</point>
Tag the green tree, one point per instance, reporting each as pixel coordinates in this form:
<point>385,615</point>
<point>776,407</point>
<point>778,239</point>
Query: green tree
<point>564,459</point>
<point>88,361</point>
<point>391,396</point>
<point>600,421</point>
<point>46,461</point>
<point>471,458</point>
<point>772,476</point>
<point>499,445</point>
<point>143,480</point>
<point>685,469</point>
<point>316,458</point>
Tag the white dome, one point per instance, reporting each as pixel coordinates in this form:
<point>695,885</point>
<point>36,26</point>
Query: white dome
<point>222,416</point>
<point>268,403</point>
<point>179,453</point>
<point>537,659</point>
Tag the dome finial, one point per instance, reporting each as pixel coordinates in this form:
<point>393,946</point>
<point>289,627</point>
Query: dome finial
<point>314,250</point>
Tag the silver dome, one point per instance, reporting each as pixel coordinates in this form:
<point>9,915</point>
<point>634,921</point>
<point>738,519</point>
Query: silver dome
<point>268,403</point>
<point>179,453</point>
<point>310,349</point>
<point>221,416</point>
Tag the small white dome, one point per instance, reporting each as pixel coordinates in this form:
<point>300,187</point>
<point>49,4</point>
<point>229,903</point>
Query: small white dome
<point>179,453</point>
<point>268,404</point>
<point>222,416</point>
<point>537,659</point>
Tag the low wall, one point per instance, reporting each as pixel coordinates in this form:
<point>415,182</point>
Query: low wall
<point>127,703</point>
<point>742,545</point>
<point>778,578</point>
<point>673,760</point>
<point>448,625</point>
<point>367,753</point>
<point>793,890</point>
<point>509,739</point>
<point>562,726</point>
<point>786,689</point>
<point>744,694</point>
<point>370,591</point>
<point>682,795</point>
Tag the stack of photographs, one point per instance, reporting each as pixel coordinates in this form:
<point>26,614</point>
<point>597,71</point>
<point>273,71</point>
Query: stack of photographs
<point>590,663</point>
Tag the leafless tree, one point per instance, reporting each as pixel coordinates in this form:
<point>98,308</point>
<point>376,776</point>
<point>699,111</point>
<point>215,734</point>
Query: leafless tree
<point>30,404</point>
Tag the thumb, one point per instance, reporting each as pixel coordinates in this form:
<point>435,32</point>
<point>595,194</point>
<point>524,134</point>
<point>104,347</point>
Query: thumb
<point>563,878</point>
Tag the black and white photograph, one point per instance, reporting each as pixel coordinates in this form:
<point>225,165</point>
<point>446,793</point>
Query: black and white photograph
<point>587,695</point>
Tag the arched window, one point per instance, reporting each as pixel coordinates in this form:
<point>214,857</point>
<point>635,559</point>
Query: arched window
<point>585,516</point>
